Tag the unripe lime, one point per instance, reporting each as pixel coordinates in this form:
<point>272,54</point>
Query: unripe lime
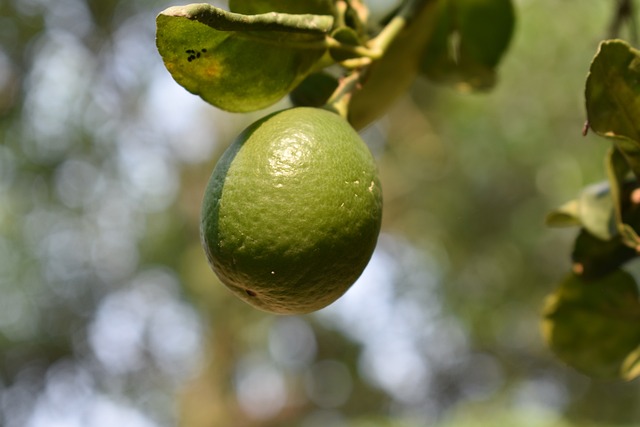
<point>292,211</point>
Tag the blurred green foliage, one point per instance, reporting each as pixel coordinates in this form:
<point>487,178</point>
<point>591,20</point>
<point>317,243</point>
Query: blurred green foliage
<point>110,314</point>
<point>593,324</point>
<point>470,38</point>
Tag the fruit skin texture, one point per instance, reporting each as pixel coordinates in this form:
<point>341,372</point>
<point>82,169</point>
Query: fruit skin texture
<point>292,211</point>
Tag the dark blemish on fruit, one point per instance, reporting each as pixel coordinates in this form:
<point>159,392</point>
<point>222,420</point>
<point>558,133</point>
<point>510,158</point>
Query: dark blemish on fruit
<point>250,292</point>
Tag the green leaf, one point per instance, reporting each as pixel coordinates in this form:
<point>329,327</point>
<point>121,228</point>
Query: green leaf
<point>613,91</point>
<point>469,41</point>
<point>604,209</point>
<point>612,95</point>
<point>593,210</point>
<point>594,326</point>
<point>596,211</point>
<point>253,7</point>
<point>567,215</point>
<point>237,62</point>
<point>391,76</point>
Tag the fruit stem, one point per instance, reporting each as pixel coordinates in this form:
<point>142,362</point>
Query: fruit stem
<point>375,49</point>
<point>341,9</point>
<point>339,100</point>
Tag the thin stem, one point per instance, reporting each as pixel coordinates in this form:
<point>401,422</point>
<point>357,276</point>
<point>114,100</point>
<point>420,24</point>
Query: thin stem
<point>339,100</point>
<point>341,9</point>
<point>375,49</point>
<point>356,63</point>
<point>382,41</point>
<point>361,51</point>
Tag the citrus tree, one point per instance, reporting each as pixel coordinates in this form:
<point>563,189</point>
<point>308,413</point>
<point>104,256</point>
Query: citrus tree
<point>292,211</point>
<point>110,313</point>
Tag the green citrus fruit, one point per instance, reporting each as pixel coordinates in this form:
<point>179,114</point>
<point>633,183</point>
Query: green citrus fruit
<point>292,211</point>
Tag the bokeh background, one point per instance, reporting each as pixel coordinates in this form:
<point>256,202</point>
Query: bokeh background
<point>110,316</point>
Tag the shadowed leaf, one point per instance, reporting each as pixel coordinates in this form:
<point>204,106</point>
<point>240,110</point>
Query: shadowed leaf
<point>594,257</point>
<point>594,326</point>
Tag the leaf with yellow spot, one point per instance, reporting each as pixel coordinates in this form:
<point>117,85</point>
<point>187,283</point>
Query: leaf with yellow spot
<point>237,62</point>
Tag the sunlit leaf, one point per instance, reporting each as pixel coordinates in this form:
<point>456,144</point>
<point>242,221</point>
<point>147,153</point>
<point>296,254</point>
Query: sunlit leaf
<point>596,212</point>
<point>594,326</point>
<point>237,62</point>
<point>593,209</point>
<point>567,215</point>
<point>469,41</point>
<point>605,212</point>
